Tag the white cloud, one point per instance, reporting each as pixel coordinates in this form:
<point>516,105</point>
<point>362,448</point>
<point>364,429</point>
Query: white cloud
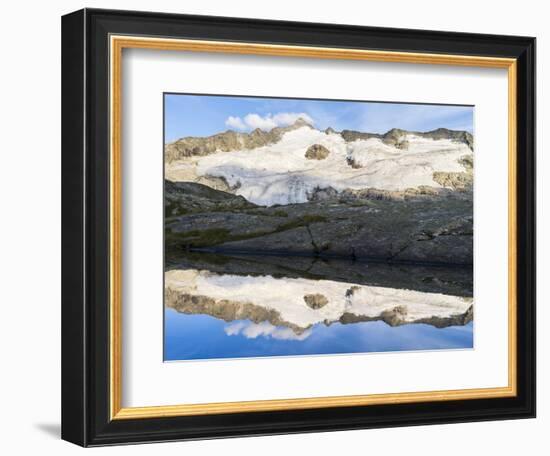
<point>235,122</point>
<point>253,330</point>
<point>255,121</point>
<point>234,328</point>
<point>252,121</point>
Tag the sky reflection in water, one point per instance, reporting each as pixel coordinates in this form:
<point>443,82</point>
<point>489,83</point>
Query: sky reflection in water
<point>190,337</point>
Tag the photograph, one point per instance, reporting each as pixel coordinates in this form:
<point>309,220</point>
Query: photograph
<point>294,222</point>
<point>297,227</point>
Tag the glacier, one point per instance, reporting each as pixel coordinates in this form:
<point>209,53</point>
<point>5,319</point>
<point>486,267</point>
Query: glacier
<point>280,174</point>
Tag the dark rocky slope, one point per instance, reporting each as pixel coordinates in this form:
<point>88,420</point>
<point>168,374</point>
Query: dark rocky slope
<point>433,226</point>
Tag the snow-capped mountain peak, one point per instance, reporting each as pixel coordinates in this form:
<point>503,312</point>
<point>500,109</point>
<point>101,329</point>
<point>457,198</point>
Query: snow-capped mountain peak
<point>288,165</point>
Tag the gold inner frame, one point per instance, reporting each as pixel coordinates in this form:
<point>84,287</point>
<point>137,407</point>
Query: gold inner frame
<point>117,44</point>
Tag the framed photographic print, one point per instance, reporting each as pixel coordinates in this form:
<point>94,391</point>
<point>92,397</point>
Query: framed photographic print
<point>279,227</point>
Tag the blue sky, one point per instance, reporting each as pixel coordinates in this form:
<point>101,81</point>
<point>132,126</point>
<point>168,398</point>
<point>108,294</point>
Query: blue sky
<point>204,115</point>
<point>204,337</point>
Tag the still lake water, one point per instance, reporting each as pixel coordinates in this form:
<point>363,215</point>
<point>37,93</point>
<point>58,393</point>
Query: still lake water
<point>236,307</point>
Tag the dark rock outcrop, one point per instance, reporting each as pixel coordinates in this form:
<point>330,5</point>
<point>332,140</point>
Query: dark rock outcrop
<point>353,135</point>
<point>397,315</point>
<point>444,133</point>
<point>417,228</point>
<point>188,197</point>
<point>395,136</point>
<point>456,181</point>
<point>316,301</point>
<point>317,152</point>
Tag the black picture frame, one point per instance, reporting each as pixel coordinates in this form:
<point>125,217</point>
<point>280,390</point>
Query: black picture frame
<point>85,228</point>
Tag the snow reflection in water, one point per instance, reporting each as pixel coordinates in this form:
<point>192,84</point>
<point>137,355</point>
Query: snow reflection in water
<point>210,314</point>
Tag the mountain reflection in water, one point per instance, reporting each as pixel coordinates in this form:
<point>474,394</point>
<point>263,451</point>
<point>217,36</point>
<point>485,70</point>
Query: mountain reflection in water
<point>219,306</point>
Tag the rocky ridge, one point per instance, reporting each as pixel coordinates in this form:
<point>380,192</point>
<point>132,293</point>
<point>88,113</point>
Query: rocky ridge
<point>227,141</point>
<point>231,140</point>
